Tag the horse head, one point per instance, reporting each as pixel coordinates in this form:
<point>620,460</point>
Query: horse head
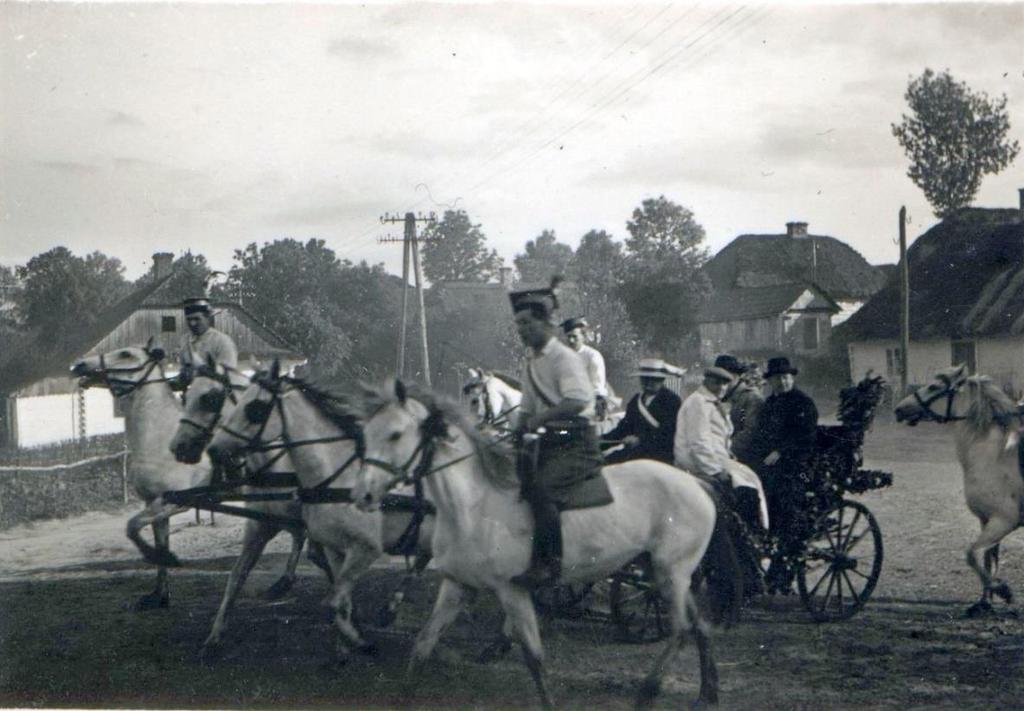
<point>941,393</point>
<point>121,370</point>
<point>213,385</point>
<point>255,420</point>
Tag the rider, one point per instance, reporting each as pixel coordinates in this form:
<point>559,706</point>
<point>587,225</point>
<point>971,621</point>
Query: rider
<point>576,336</point>
<point>648,429</point>
<point>557,396</point>
<point>205,340</point>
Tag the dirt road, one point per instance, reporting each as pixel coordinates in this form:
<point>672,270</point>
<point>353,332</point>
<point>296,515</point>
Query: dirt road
<point>67,637</point>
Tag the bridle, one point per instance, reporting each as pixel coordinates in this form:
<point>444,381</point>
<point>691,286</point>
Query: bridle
<point>490,418</point>
<point>286,444</point>
<point>949,392</point>
<point>206,432</point>
<point>121,386</point>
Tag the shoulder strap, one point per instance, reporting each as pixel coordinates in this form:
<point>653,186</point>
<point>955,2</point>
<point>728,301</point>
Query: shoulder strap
<point>548,402</point>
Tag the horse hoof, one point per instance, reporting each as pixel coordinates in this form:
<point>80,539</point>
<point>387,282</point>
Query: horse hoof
<point>981,608</point>
<point>1003,591</point>
<point>368,649</point>
<point>386,616</point>
<point>163,558</point>
<point>334,664</point>
<point>703,703</point>
<point>152,601</point>
<point>495,651</point>
<point>279,589</point>
<point>649,690</point>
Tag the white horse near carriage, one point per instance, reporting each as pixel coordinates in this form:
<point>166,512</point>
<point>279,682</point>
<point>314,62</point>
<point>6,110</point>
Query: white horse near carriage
<point>483,529</point>
<point>985,431</point>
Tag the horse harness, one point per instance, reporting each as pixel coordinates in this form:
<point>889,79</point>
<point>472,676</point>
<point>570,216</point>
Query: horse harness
<point>119,387</point>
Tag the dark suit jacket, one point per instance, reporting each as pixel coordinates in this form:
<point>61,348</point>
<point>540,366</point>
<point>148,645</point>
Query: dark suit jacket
<point>655,442</point>
<point>787,423</point>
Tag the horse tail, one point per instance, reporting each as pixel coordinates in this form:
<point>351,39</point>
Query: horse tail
<point>721,571</point>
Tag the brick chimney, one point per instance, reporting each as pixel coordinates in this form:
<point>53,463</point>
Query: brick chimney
<point>162,264</point>
<point>796,229</point>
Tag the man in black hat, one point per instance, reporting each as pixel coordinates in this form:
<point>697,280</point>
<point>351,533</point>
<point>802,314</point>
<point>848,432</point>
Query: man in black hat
<point>204,340</point>
<point>648,429</point>
<point>575,330</point>
<point>787,428</point>
<point>558,397</point>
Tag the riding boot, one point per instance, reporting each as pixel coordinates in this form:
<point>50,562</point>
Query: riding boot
<point>546,557</point>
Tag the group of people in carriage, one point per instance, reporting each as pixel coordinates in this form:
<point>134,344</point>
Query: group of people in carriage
<point>725,432</point>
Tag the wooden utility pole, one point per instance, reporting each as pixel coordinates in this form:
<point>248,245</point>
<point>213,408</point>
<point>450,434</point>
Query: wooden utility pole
<point>904,304</point>
<point>410,246</point>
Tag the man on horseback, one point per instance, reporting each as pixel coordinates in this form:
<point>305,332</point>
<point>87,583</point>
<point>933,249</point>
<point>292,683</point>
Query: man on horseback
<point>575,330</point>
<point>648,429</point>
<point>205,340</point>
<point>558,397</point>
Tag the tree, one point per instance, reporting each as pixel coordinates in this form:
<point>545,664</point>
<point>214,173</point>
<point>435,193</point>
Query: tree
<point>62,292</point>
<point>9,292</point>
<point>663,285</point>
<point>338,314</point>
<point>455,249</point>
<point>191,274</point>
<point>953,137</point>
<point>543,258</point>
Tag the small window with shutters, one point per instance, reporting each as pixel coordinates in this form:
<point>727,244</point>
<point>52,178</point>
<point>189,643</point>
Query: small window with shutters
<point>168,324</point>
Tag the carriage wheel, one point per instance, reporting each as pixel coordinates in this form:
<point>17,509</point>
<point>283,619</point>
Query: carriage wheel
<point>560,599</point>
<point>841,562</point>
<point>638,610</point>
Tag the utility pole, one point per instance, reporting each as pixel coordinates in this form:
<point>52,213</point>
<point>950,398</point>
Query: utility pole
<point>904,303</point>
<point>410,246</point>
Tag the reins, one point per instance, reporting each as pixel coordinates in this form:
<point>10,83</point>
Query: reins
<point>119,387</point>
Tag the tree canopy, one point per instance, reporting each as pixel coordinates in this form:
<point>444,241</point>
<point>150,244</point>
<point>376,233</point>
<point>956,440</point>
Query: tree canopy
<point>455,249</point>
<point>953,137</point>
<point>543,258</point>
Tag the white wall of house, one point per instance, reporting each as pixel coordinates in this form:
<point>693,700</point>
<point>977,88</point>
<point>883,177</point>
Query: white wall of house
<point>45,419</point>
<point>1003,360</point>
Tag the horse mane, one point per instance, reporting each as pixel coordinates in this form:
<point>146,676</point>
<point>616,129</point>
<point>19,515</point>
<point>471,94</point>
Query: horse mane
<point>508,380</point>
<point>340,409</point>
<point>988,405</point>
<point>496,458</point>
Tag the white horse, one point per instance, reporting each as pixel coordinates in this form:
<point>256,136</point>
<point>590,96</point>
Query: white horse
<point>136,376</point>
<point>483,529</point>
<point>320,432</point>
<point>493,397</point>
<point>212,395</point>
<point>986,446</point>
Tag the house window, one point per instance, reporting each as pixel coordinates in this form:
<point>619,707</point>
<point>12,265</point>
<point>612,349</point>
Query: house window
<point>893,362</point>
<point>811,334</point>
<point>964,352</point>
<point>168,324</point>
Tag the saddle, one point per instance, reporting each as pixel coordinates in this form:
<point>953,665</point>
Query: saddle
<point>565,461</point>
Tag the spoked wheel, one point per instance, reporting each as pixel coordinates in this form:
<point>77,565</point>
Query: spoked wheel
<point>639,612</point>
<point>841,562</point>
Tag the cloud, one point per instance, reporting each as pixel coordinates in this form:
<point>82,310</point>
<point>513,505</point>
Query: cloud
<point>120,118</point>
<point>67,166</point>
<point>362,49</point>
<point>326,211</point>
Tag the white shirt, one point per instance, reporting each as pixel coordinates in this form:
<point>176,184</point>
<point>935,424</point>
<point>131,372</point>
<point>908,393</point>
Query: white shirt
<point>702,434</point>
<point>594,361</point>
<point>561,374</point>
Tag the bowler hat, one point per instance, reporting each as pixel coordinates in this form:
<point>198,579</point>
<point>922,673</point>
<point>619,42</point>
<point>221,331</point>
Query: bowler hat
<point>779,366</point>
<point>730,363</point>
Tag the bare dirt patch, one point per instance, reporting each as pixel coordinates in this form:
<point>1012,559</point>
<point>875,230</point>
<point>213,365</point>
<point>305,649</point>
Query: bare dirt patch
<point>67,637</point>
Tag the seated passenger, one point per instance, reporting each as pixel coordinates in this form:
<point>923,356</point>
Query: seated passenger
<point>648,429</point>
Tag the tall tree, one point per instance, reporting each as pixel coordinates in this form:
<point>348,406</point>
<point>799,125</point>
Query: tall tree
<point>338,314</point>
<point>663,285</point>
<point>455,249</point>
<point>543,258</point>
<point>61,291</point>
<point>953,137</point>
<point>9,292</point>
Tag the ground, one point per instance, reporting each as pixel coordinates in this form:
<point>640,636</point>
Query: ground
<point>68,638</point>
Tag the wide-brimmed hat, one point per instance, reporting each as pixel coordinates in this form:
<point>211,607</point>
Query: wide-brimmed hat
<point>779,366</point>
<point>196,305</point>
<point>730,363</point>
<point>655,368</point>
<point>571,324</point>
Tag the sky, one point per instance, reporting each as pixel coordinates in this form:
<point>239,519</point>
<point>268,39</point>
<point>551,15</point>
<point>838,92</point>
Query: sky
<point>138,128</point>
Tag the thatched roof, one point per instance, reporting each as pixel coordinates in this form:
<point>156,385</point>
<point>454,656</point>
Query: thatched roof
<point>776,259</point>
<point>966,279</point>
<point>759,302</point>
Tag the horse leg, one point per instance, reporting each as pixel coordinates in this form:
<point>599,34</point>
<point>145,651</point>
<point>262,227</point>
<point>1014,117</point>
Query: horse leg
<point>315,553</point>
<point>992,531</point>
<point>991,563</point>
<point>521,622</point>
<point>257,535</point>
<point>160,597</point>
<point>446,609</point>
<point>283,584</point>
<point>682,615</point>
<point>155,511</point>
<point>348,567</point>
